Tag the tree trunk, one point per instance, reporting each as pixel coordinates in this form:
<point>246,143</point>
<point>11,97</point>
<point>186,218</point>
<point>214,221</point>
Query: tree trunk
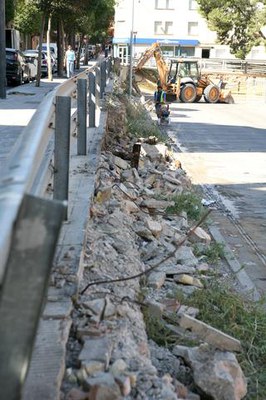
<point>81,38</point>
<point>60,48</point>
<point>50,73</point>
<point>39,73</point>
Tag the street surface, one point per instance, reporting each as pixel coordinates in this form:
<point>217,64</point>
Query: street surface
<point>223,150</point>
<point>16,111</point>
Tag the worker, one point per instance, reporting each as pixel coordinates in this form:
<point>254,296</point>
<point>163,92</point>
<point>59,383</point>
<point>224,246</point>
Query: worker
<point>159,98</point>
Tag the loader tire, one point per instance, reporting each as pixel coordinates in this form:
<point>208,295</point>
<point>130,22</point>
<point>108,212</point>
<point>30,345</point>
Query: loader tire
<point>188,93</point>
<point>211,94</point>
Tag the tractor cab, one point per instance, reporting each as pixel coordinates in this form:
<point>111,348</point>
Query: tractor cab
<point>184,68</point>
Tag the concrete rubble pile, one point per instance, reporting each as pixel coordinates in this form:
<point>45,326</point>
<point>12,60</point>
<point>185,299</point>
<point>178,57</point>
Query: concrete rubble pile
<point>129,232</point>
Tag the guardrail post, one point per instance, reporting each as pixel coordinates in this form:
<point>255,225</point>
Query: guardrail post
<point>82,117</point>
<point>103,78</point>
<point>62,147</point>
<point>98,84</point>
<point>92,99</point>
<point>24,286</point>
<point>109,66</point>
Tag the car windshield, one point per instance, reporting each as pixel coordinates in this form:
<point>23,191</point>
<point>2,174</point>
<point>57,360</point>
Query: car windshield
<point>45,48</point>
<point>188,69</point>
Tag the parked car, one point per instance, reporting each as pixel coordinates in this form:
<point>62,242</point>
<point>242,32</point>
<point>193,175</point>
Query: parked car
<point>44,62</point>
<point>19,68</point>
<point>32,65</point>
<point>53,48</point>
<point>53,61</point>
<point>91,53</point>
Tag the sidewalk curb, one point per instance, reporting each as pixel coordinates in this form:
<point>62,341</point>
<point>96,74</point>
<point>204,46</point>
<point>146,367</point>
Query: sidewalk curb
<point>47,364</point>
<point>234,264</point>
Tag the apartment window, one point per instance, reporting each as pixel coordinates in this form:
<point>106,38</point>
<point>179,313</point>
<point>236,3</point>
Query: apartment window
<point>163,28</point>
<point>193,5</point>
<point>164,4</point>
<point>193,28</point>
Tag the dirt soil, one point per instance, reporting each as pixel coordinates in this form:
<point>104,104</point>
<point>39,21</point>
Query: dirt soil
<point>238,84</point>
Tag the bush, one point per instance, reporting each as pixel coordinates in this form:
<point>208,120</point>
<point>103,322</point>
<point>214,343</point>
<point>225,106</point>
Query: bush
<point>188,202</point>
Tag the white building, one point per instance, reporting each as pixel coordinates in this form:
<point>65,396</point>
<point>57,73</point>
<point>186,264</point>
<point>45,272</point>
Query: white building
<point>175,24</point>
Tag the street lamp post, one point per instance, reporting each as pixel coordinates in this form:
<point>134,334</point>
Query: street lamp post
<point>131,50</point>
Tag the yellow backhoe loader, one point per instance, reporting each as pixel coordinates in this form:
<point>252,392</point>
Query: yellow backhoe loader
<point>182,80</point>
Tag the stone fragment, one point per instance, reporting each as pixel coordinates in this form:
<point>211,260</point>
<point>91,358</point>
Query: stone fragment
<point>102,387</point>
<point>103,194</point>
<point>155,308</point>
<point>203,267</point>
<point>118,367</point>
<point>81,375</point>
<point>171,305</point>
<point>95,306</point>
<point>156,204</point>
<point>150,180</point>
<point>191,311</point>
<point>199,235</point>
<point>175,269</point>
<point>188,280</point>
<point>143,231</point>
<point>120,163</point>
<point>70,376</point>
<point>184,255</point>
<point>76,394</point>
<point>171,179</point>
<point>128,192</point>
<point>209,334</point>
<point>130,207</point>
<point>154,226</point>
<point>96,350</point>
<point>156,279</point>
<point>91,367</point>
<point>124,384</point>
<point>154,152</point>
<point>216,373</point>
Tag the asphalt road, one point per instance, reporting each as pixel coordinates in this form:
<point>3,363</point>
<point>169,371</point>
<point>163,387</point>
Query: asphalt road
<point>223,149</point>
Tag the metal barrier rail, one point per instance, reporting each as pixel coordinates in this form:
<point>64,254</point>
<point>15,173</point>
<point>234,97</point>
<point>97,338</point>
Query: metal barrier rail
<point>31,222</point>
<point>222,65</point>
<point>25,172</point>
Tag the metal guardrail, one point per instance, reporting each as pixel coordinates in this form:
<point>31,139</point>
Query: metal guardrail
<point>222,65</point>
<point>25,171</point>
<point>231,65</point>
<point>31,220</point>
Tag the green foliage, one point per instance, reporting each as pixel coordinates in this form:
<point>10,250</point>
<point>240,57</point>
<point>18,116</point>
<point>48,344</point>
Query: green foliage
<point>186,201</point>
<point>213,252</point>
<point>237,23</point>
<point>89,17</point>
<point>9,10</point>
<point>140,124</point>
<point>245,320</point>
<point>28,18</point>
<point>157,330</point>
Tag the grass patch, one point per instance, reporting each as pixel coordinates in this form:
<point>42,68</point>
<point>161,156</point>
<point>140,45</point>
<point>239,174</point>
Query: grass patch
<point>140,124</point>
<point>157,330</point>
<point>186,201</point>
<point>213,252</point>
<point>245,320</point>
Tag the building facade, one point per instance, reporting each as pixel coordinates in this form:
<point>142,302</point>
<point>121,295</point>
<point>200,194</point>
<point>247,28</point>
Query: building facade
<point>175,24</point>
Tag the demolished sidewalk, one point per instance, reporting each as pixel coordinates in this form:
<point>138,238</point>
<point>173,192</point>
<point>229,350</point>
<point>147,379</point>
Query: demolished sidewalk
<point>137,256</point>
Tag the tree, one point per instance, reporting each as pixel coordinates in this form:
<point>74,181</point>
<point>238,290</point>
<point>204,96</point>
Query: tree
<point>9,10</point>
<point>238,24</point>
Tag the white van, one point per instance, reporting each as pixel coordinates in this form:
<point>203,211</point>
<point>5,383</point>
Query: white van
<point>53,48</point>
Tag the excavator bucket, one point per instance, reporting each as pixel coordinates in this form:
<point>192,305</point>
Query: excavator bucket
<point>226,97</point>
